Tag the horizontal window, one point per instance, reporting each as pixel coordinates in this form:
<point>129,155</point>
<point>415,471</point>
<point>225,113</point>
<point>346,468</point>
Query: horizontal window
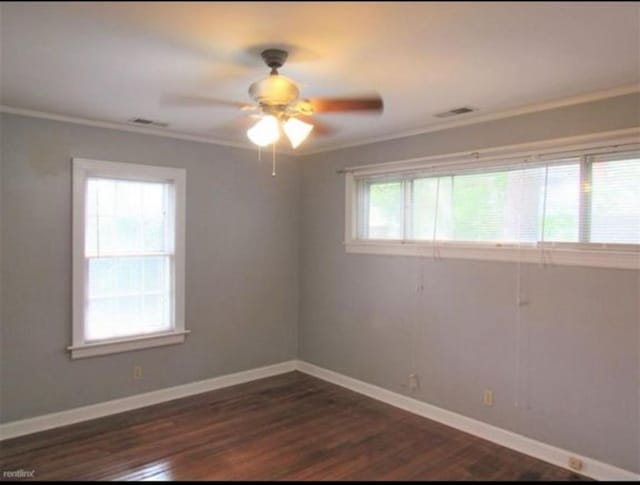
<point>585,202</point>
<point>528,205</point>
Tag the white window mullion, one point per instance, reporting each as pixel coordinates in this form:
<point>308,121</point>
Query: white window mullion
<point>545,192</point>
<point>407,209</point>
<point>364,219</point>
<point>586,170</point>
<point>436,210</point>
<point>170,305</point>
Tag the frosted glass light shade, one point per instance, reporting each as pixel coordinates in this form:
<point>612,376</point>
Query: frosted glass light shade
<point>265,131</point>
<point>297,131</point>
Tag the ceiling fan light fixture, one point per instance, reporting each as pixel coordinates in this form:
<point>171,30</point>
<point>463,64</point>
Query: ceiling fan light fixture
<point>264,132</point>
<point>297,131</point>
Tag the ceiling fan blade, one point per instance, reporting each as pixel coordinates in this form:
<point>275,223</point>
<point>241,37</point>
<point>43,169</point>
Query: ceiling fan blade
<point>319,127</point>
<point>180,100</point>
<point>332,105</point>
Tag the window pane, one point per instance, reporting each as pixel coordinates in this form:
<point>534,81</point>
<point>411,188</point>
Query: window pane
<point>562,210</point>
<point>493,207</point>
<point>423,207</point>
<point>478,202</point>
<point>615,213</point>
<point>153,199</point>
<point>110,318</point>
<point>523,203</point>
<point>128,202</point>
<point>153,234</point>
<point>91,234</point>
<point>125,217</point>
<point>155,274</point>
<point>427,216</point>
<point>128,296</point>
<point>509,206</point>
<point>516,204</point>
<point>385,210</point>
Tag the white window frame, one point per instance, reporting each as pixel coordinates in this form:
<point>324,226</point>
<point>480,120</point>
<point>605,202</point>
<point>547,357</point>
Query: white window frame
<point>624,256</point>
<point>82,170</point>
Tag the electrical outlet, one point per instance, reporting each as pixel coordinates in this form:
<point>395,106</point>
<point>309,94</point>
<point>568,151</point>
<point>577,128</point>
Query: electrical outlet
<point>575,463</point>
<point>137,372</point>
<point>487,397</point>
<point>413,382</point>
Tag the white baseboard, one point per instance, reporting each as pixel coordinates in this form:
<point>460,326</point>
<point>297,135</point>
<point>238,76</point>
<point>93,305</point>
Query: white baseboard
<point>551,454</point>
<point>40,423</point>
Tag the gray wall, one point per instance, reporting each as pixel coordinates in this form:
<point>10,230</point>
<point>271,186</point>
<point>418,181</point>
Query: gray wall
<point>564,369</point>
<point>241,266</point>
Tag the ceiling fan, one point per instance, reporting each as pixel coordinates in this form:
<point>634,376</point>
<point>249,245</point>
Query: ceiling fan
<point>278,105</point>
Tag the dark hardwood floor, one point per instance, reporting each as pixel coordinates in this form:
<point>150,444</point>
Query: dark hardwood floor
<point>287,427</point>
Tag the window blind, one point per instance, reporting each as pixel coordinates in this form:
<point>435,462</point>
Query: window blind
<point>584,199</point>
<point>613,187</point>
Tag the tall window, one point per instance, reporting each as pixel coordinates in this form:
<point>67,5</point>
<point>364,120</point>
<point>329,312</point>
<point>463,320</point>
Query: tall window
<point>128,257</point>
<point>586,202</point>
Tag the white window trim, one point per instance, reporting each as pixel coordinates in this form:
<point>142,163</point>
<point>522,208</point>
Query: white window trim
<point>82,169</point>
<point>591,255</point>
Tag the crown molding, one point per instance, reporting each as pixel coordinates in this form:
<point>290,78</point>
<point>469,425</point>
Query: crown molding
<point>472,120</point>
<point>125,127</point>
<point>521,151</point>
<point>119,126</point>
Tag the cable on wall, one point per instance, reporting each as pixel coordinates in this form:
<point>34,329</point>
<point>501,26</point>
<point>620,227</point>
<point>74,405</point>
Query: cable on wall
<point>521,300</point>
<point>544,216</point>
<point>434,244</point>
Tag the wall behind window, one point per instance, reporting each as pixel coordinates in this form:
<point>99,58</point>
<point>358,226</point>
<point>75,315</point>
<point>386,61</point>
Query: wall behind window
<point>241,266</point>
<point>564,371</point>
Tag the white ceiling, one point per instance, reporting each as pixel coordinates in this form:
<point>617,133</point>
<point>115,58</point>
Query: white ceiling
<point>115,61</point>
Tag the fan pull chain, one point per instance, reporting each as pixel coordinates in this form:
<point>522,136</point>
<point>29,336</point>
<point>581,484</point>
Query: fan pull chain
<point>259,153</point>
<point>273,151</point>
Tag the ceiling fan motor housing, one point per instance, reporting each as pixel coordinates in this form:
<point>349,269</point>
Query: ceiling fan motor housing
<point>274,90</point>
<point>274,58</point>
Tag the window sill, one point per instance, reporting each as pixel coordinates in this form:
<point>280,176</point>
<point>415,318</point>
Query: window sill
<point>126,344</point>
<point>552,256</point>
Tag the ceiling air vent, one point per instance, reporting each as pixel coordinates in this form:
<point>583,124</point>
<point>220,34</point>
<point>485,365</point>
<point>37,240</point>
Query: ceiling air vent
<point>146,122</point>
<point>454,112</point>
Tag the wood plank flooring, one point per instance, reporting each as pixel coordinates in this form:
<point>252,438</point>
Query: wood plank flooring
<point>288,427</point>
